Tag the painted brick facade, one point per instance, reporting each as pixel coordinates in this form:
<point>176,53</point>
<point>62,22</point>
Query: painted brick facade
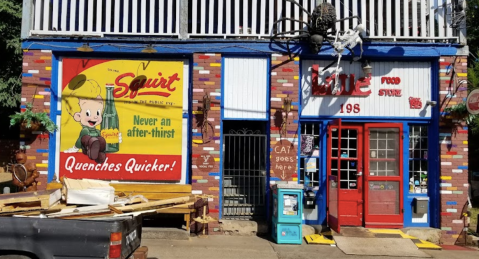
<point>207,80</point>
<point>453,137</point>
<point>36,80</point>
<point>284,83</point>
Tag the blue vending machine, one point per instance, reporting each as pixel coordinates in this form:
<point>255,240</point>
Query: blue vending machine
<point>287,213</point>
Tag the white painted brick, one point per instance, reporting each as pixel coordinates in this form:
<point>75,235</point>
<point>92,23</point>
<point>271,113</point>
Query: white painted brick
<point>210,54</point>
<point>24,99</point>
<point>457,221</point>
<point>206,72</point>
<point>194,130</point>
<point>196,192</point>
<point>441,60</point>
<point>466,149</point>
<point>217,141</point>
<point>209,148</point>
<point>276,55</point>
<point>446,163</point>
<point>217,126</point>
<point>451,210</point>
<point>466,185</point>
<point>443,92</point>
<point>457,171</point>
<point>215,94</point>
<point>211,199</point>
<point>275,99</point>
<point>211,119</point>
<point>198,90</point>
<point>43,172</point>
<point>445,192</point>
<point>195,101</point>
<point>46,51</point>
<point>33,71</point>
<point>288,84</point>
<point>44,161</point>
<point>445,142</point>
<point>274,73</point>
<point>25,64</point>
<point>46,103</point>
<point>217,177</point>
<point>194,166</point>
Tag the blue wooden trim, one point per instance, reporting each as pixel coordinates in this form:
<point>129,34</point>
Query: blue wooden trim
<point>397,50</point>
<point>268,136</point>
<point>434,153</point>
<point>52,142</point>
<point>220,195</point>
<point>189,146</point>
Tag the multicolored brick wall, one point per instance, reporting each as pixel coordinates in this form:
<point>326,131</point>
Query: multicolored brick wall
<point>453,137</point>
<point>207,80</point>
<point>284,84</point>
<point>36,80</point>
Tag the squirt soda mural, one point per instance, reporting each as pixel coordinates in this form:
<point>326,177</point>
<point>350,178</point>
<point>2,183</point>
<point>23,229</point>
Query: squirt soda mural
<point>121,119</point>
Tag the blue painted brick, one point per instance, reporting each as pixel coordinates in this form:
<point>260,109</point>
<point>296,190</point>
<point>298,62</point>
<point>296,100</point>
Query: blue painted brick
<point>195,64</point>
<point>42,150</point>
<point>214,174</point>
<point>451,203</point>
<point>462,167</point>
<point>196,134</point>
<point>218,97</point>
<point>275,179</point>
<point>47,90</point>
<point>295,103</point>
<point>295,121</point>
<point>26,75</point>
<point>465,128</point>
<point>23,106</point>
<point>296,62</point>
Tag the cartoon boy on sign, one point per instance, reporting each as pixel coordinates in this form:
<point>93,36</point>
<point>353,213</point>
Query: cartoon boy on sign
<point>85,105</point>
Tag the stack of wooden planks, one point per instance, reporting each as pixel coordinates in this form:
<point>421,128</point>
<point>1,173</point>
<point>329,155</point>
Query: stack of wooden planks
<point>77,199</point>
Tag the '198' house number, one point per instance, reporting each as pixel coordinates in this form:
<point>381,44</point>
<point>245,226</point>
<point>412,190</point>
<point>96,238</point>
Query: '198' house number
<point>350,108</point>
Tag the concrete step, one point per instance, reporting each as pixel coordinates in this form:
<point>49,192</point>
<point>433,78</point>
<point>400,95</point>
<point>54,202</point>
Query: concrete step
<point>165,233</point>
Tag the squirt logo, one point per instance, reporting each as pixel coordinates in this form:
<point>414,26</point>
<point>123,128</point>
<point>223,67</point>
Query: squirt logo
<point>472,102</point>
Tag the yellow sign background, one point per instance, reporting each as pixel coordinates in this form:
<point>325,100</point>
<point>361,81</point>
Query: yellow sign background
<point>145,106</point>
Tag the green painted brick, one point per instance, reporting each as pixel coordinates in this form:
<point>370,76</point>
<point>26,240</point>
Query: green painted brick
<point>282,81</point>
<point>273,58</point>
<point>457,156</point>
<point>218,90</point>
<point>201,181</point>
<point>275,135</point>
<point>446,228</point>
<point>25,147</point>
<point>215,152</point>
<point>216,229</point>
<point>457,192</point>
<point>444,78</point>
<point>198,68</point>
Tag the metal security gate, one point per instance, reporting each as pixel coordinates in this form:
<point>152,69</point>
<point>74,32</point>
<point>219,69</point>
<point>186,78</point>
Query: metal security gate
<point>244,174</point>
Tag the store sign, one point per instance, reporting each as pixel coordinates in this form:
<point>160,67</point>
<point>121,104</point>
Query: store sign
<point>205,162</point>
<point>121,119</point>
<point>393,89</point>
<point>472,102</point>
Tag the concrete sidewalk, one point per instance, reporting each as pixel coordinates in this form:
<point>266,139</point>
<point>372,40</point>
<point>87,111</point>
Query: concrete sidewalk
<point>239,247</point>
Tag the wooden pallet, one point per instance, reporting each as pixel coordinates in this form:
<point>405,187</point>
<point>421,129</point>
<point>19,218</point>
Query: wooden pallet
<point>26,201</point>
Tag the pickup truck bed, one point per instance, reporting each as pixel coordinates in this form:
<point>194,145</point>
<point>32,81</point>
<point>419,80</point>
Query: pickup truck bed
<point>45,238</point>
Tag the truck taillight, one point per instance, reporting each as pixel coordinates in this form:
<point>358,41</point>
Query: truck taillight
<point>115,245</point>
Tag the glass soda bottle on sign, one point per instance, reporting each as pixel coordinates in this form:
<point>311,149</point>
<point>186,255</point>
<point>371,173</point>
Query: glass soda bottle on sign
<point>110,125</point>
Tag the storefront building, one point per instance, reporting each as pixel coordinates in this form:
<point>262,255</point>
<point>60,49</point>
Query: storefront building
<point>233,117</point>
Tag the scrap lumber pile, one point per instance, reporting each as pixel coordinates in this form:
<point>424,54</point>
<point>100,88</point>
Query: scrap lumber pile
<point>77,199</point>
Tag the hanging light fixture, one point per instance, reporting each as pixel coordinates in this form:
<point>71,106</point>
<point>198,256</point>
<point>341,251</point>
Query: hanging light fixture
<point>367,69</point>
<point>85,48</point>
<point>149,49</point>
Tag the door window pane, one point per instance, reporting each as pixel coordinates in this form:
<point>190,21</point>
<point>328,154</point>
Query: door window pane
<point>309,163</point>
<point>384,152</point>
<point>418,159</point>
<point>383,198</point>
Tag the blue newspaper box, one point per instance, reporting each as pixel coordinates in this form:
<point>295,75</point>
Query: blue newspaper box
<point>287,213</point>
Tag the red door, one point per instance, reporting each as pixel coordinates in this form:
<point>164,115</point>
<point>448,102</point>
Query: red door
<point>383,175</point>
<point>345,161</point>
<point>333,180</point>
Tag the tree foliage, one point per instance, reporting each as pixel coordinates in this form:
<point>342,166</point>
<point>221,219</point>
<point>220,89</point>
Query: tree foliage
<point>10,53</point>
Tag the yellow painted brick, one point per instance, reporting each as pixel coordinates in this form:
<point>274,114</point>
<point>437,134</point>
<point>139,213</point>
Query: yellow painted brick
<point>42,165</point>
<point>465,142</point>
<point>214,188</point>
<point>276,62</point>
<point>46,57</point>
<point>446,177</point>
<point>217,134</point>
<point>273,110</point>
<point>295,178</point>
<point>273,142</point>
<point>209,83</point>
<point>22,135</point>
<point>215,108</point>
<point>37,96</point>
<point>452,188</point>
<point>215,64</point>
<point>446,156</point>
<point>465,163</point>
<point>296,59</point>
<point>452,102</point>
<point>217,159</point>
<point>281,95</point>
<point>296,77</point>
<point>197,177</point>
<point>45,154</point>
<point>195,145</point>
<point>197,112</point>
<point>455,236</point>
<point>39,183</point>
<point>31,157</point>
<point>48,68</point>
<point>195,141</point>
<point>462,74</point>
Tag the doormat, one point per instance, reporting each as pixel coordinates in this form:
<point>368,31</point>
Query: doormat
<point>378,247</point>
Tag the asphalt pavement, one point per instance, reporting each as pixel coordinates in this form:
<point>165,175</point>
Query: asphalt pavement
<point>253,247</point>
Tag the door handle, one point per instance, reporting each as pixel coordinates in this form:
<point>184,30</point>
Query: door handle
<point>359,173</point>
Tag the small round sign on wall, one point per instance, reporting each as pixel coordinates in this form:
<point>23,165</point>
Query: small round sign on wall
<point>472,102</point>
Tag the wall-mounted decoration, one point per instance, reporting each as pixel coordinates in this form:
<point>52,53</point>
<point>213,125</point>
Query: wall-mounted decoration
<point>307,145</point>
